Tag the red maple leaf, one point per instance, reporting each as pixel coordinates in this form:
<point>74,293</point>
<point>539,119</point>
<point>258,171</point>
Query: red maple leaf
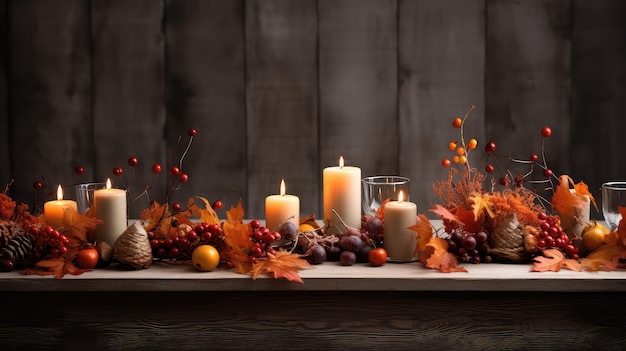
<point>58,267</point>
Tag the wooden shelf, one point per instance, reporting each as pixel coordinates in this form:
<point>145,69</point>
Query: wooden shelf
<point>329,276</point>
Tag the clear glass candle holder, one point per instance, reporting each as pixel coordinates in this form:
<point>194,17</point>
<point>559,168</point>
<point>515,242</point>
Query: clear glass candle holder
<point>85,194</point>
<point>377,189</point>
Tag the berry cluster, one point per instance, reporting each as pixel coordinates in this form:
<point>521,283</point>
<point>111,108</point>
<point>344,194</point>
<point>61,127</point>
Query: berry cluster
<point>47,241</point>
<point>460,147</point>
<point>181,245</point>
<point>469,247</point>
<point>553,236</point>
<point>263,239</point>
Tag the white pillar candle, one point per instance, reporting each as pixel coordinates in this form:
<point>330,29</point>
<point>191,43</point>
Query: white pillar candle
<point>400,242</point>
<point>342,192</point>
<point>54,211</point>
<point>110,205</point>
<point>281,208</point>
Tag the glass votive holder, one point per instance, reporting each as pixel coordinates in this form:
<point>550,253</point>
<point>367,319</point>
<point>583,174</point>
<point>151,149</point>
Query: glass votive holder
<point>377,189</point>
<point>85,194</point>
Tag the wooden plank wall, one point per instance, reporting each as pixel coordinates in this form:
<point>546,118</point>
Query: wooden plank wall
<point>282,88</point>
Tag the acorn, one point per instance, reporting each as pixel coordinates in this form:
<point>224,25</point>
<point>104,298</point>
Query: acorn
<point>132,248</point>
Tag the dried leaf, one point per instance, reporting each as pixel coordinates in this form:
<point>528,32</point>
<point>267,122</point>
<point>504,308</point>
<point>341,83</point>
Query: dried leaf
<point>433,252</point>
<point>444,213</point>
<point>81,228</point>
<point>479,203</point>
<point>206,214</point>
<point>380,212</point>
<point>282,265</point>
<point>237,239</point>
<point>563,200</point>
<point>58,267</point>
<point>310,220</point>
<point>553,260</point>
<point>582,189</point>
<point>155,215</point>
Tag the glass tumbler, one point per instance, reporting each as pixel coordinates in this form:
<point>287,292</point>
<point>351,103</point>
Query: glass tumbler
<point>85,194</point>
<point>613,197</point>
<point>377,189</point>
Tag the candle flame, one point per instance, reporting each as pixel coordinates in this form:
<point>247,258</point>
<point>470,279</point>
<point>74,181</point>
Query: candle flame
<point>59,193</point>
<point>400,196</point>
<point>340,161</point>
<point>282,187</point>
<point>108,183</point>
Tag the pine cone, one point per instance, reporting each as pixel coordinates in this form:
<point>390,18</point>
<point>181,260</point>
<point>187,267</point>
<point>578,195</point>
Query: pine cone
<point>507,241</point>
<point>8,231</point>
<point>132,248</point>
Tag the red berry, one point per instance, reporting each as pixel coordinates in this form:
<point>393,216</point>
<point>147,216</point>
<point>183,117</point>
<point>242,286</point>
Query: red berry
<point>489,168</point>
<point>217,205</point>
<point>79,170</point>
<point>175,171</point>
<point>38,185</point>
<point>191,132</point>
<point>490,147</point>
<point>132,161</point>
<point>156,168</point>
<point>183,177</point>
<point>176,207</point>
<point>117,171</point>
<point>547,173</point>
<point>534,157</point>
<point>445,162</point>
<point>504,181</point>
<point>255,224</point>
<point>546,132</point>
<point>457,122</point>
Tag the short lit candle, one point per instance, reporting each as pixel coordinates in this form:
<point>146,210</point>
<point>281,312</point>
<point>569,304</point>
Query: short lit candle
<point>54,211</point>
<point>110,205</point>
<point>342,192</point>
<point>281,208</point>
<point>400,242</point>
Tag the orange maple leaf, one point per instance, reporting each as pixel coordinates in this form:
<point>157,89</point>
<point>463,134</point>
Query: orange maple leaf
<point>582,189</point>
<point>444,213</point>
<point>479,203</point>
<point>432,251</point>
<point>563,200</point>
<point>206,214</point>
<point>607,256</point>
<point>237,239</point>
<point>156,215</point>
<point>282,265</point>
<point>80,228</point>
<point>380,212</point>
<point>553,260</point>
<point>58,267</point>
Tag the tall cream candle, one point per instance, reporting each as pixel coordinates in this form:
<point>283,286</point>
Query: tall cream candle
<point>400,242</point>
<point>110,205</point>
<point>342,192</point>
<point>281,208</point>
<point>54,211</point>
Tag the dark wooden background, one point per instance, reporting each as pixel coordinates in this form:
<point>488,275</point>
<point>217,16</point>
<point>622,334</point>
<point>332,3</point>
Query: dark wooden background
<point>281,88</point>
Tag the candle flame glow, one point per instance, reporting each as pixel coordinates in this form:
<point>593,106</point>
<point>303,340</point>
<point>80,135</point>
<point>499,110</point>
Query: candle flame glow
<point>59,193</point>
<point>282,187</point>
<point>340,161</point>
<point>108,183</point>
<point>400,196</point>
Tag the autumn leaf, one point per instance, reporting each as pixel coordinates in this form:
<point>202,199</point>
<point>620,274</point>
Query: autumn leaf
<point>582,189</point>
<point>563,200</point>
<point>444,213</point>
<point>553,260</point>
<point>380,212</point>
<point>310,220</point>
<point>156,215</point>
<point>206,214</point>
<point>433,252</point>
<point>479,203</point>
<point>58,267</point>
<point>237,239</point>
<point>80,227</point>
<point>282,265</point>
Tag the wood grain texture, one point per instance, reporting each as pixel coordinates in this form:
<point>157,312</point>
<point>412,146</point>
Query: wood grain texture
<point>599,94</point>
<point>528,83</point>
<point>358,85</point>
<point>128,93</point>
<point>307,321</point>
<point>281,102</point>
<point>205,83</point>
<point>5,142</point>
<point>49,84</point>
<point>441,65</point>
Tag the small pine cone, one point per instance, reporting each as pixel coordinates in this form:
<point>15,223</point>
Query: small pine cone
<point>8,231</point>
<point>132,248</point>
<point>18,247</point>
